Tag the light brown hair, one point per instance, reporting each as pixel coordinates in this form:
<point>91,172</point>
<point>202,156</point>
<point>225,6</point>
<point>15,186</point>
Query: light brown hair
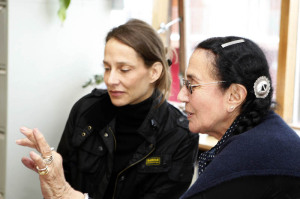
<point>146,42</point>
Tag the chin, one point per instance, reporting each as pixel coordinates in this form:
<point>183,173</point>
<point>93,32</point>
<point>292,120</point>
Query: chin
<point>193,129</point>
<point>119,103</point>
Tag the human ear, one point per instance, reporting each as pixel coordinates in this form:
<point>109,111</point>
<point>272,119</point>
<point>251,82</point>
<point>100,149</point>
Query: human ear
<point>155,71</point>
<point>237,94</point>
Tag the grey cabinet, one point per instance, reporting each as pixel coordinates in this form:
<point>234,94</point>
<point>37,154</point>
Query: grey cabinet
<point>3,34</point>
<point>3,92</point>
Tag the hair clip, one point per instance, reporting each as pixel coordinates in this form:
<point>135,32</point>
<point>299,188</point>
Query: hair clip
<point>169,62</point>
<point>232,43</point>
<point>262,87</point>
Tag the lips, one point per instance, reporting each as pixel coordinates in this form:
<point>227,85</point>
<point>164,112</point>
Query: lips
<point>189,114</point>
<point>116,93</point>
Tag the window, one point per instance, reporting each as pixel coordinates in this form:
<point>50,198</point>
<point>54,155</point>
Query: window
<point>273,24</point>
<point>254,19</point>
<point>122,10</point>
<point>288,65</point>
<point>296,112</point>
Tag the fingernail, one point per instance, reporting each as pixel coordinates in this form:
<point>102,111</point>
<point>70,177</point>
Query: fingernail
<point>18,141</point>
<point>23,128</point>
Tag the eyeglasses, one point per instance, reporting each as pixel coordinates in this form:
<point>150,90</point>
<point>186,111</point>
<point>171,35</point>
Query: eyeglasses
<point>190,87</point>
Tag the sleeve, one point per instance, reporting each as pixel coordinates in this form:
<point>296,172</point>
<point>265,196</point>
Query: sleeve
<point>180,176</point>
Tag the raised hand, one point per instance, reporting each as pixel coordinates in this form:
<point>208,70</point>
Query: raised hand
<point>48,165</point>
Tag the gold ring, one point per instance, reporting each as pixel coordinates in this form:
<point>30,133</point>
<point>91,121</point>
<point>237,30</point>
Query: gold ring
<point>43,171</point>
<point>48,159</point>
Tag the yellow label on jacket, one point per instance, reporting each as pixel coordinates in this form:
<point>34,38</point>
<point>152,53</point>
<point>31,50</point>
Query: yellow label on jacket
<point>152,161</point>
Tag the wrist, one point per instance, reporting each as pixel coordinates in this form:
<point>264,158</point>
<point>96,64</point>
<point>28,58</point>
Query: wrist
<point>77,195</point>
<point>73,194</point>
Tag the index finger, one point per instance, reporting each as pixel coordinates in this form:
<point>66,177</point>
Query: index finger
<point>44,147</point>
<point>29,135</point>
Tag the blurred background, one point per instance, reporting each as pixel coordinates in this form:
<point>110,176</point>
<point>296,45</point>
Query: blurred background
<point>46,62</point>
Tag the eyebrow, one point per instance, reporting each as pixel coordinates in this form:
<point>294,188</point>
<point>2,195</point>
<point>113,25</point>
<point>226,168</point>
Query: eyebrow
<point>118,63</point>
<point>193,77</point>
<point>105,62</point>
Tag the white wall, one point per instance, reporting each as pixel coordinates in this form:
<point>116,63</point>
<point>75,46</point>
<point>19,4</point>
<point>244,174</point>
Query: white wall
<point>47,65</point>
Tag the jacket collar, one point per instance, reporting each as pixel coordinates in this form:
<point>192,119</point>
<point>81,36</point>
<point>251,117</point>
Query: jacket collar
<point>155,118</point>
<point>149,128</point>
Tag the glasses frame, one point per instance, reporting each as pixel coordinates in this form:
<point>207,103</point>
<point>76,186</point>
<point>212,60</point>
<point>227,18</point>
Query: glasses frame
<point>190,86</point>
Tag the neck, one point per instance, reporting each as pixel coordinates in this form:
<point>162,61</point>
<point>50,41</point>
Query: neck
<point>225,126</point>
<point>149,93</point>
<point>134,114</point>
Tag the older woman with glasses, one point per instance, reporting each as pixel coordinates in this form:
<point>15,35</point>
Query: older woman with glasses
<point>228,95</point>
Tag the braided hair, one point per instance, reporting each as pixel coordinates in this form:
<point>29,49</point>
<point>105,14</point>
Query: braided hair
<point>241,63</point>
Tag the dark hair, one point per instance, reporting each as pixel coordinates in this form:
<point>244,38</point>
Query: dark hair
<point>146,42</point>
<point>242,63</point>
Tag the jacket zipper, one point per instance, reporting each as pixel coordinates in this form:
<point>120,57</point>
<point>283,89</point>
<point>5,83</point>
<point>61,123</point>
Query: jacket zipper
<point>128,168</point>
<point>114,138</point>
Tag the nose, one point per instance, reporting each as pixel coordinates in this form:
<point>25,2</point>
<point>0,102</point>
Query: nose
<point>183,95</point>
<point>113,78</point>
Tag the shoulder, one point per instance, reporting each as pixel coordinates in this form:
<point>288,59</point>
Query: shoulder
<point>93,109</point>
<point>94,94</point>
<point>271,131</point>
<point>272,141</point>
<point>177,115</point>
<point>177,120</point>
<point>93,97</point>
<point>253,187</point>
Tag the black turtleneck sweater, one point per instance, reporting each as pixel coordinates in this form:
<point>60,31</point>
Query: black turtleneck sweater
<point>128,120</point>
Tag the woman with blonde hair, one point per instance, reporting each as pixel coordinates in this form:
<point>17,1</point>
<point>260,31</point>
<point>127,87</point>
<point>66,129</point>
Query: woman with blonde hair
<point>126,141</point>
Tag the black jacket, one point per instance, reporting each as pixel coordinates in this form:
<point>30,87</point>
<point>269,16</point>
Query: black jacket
<point>162,166</point>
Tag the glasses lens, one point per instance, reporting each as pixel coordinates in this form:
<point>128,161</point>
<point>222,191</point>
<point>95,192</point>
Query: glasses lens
<point>187,85</point>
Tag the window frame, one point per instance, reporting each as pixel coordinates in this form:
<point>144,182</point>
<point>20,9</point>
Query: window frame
<point>287,60</point>
<point>287,57</point>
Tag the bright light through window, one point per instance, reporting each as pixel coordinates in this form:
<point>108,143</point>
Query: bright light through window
<point>254,19</point>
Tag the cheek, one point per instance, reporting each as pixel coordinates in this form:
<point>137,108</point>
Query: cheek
<point>132,83</point>
<point>138,80</point>
<point>207,108</point>
<point>105,78</point>
<point>201,104</point>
